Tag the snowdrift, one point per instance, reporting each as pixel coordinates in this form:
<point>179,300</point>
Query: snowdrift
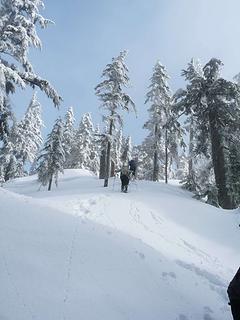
<point>87,252</point>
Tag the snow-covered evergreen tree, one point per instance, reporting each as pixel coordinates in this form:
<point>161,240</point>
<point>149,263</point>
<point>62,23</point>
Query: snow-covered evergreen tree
<point>68,136</point>
<point>6,118</point>
<point>6,146</point>
<point>18,21</point>
<point>96,151</point>
<point>214,102</point>
<point>11,165</point>
<point>173,142</point>
<point>103,158</point>
<point>8,162</point>
<point>28,138</point>
<point>182,167</point>
<point>52,157</point>
<point>143,153</point>
<point>114,99</point>
<point>117,148</point>
<point>233,154</point>
<point>83,152</point>
<point>162,124</point>
<point>127,151</point>
<point>189,181</point>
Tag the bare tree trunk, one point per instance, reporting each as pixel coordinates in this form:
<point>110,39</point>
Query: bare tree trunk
<point>155,157</point>
<point>225,199</point>
<point>102,163</point>
<point>108,161</point>
<point>166,156</point>
<point>50,183</point>
<point>190,160</point>
<point>155,166</point>
<point>112,171</point>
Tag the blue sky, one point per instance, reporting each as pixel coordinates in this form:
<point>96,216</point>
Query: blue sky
<point>87,34</point>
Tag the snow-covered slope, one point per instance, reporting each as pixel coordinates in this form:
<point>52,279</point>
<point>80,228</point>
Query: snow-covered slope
<point>87,252</point>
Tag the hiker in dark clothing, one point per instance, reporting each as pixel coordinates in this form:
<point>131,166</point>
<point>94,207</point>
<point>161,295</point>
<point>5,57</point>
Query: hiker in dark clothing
<point>234,295</point>
<point>124,176</point>
<point>132,167</point>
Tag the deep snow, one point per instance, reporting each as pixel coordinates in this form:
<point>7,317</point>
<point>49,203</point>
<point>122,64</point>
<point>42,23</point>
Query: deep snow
<point>83,251</point>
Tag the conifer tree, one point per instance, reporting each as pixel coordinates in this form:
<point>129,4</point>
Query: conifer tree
<point>145,153</point>
<point>68,136</point>
<point>6,118</point>
<point>159,96</point>
<point>6,147</point>
<point>127,150</point>
<point>119,147</point>
<point>114,99</point>
<point>99,147</point>
<point>102,140</point>
<point>162,124</point>
<point>173,142</point>
<point>96,151</point>
<point>28,136</point>
<point>9,166</point>
<point>18,23</point>
<point>52,158</point>
<point>214,102</point>
<point>189,181</point>
<point>103,158</point>
<point>182,167</point>
<point>19,20</point>
<point>84,144</point>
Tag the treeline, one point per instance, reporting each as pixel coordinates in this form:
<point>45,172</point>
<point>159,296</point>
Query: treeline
<point>203,119</point>
<point>68,146</point>
<point>84,147</point>
<point>20,141</point>
<point>193,134</point>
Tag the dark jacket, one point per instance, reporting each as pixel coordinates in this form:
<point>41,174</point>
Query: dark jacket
<point>132,165</point>
<point>234,287</point>
<point>124,178</point>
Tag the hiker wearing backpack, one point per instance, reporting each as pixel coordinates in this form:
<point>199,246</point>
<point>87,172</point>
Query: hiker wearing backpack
<point>124,176</point>
<point>132,167</point>
<point>234,295</point>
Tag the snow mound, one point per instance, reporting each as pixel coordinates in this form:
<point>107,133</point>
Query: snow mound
<point>84,251</point>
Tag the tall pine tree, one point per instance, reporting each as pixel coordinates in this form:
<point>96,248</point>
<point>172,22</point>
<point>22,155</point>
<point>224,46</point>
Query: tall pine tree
<point>214,102</point>
<point>165,131</point>
<point>83,151</point>
<point>68,136</point>
<point>28,139</point>
<point>52,158</point>
<point>114,99</point>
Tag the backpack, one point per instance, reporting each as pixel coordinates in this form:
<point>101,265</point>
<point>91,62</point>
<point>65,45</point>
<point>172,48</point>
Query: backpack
<point>125,171</point>
<point>132,165</point>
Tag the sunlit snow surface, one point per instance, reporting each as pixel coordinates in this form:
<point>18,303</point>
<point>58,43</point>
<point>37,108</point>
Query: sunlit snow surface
<point>86,252</point>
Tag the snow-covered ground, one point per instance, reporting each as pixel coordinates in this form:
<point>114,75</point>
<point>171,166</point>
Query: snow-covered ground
<point>83,251</point>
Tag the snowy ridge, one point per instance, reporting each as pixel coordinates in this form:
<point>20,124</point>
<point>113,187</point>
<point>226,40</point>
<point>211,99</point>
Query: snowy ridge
<point>84,251</point>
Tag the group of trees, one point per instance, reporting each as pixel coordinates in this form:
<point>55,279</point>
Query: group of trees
<point>212,106</point>
<point>204,117</point>
<point>19,141</point>
<point>192,134</point>
<point>68,147</point>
